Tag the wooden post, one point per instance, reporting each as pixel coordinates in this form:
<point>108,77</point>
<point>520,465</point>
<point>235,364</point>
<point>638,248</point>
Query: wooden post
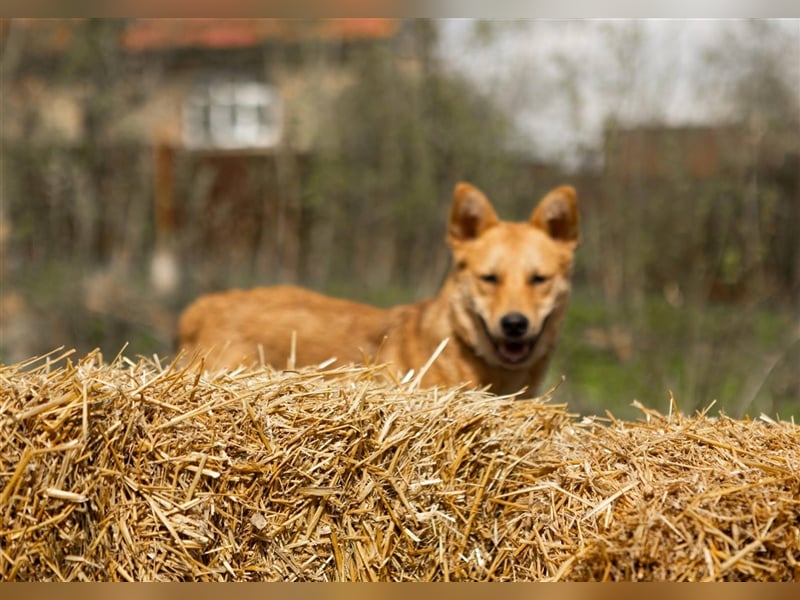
<point>164,271</point>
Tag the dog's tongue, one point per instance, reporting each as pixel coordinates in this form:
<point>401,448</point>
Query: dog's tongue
<point>514,351</point>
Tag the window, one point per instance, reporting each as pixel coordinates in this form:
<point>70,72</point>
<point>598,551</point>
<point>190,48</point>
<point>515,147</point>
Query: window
<point>232,114</point>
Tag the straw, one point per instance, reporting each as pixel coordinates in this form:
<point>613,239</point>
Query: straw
<point>134,471</point>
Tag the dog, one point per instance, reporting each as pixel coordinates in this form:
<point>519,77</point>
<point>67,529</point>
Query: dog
<point>500,308</point>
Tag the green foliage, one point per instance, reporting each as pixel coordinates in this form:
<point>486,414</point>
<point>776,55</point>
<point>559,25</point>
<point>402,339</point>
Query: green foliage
<point>743,360</point>
<point>398,140</point>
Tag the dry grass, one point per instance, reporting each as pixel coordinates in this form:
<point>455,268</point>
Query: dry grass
<point>134,471</point>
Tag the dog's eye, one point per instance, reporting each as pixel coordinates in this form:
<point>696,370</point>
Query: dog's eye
<point>537,279</point>
<point>489,278</point>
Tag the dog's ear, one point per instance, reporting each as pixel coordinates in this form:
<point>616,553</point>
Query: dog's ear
<point>557,214</point>
<point>470,215</point>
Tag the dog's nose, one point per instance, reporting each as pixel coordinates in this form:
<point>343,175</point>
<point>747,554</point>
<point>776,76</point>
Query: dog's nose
<point>514,324</point>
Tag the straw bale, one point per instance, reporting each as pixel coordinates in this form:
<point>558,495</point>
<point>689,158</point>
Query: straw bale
<point>135,470</point>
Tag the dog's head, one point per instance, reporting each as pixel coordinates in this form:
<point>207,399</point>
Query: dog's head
<point>512,280</point>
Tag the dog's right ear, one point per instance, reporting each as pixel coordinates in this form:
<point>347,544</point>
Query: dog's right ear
<point>557,215</point>
<point>470,215</point>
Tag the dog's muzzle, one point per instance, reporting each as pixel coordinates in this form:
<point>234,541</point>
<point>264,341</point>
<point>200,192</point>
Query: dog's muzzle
<point>515,345</point>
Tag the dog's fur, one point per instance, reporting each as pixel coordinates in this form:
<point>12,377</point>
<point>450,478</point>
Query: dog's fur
<point>501,307</point>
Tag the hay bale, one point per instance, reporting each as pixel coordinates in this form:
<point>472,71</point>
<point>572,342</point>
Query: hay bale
<point>138,471</point>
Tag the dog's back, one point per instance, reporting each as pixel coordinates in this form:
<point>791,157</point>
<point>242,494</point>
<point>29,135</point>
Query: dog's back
<point>245,327</point>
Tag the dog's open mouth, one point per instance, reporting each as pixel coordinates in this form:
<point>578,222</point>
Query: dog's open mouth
<point>514,351</point>
<point>511,351</point>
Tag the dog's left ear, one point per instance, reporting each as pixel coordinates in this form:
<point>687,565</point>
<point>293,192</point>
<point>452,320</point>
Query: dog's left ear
<point>557,214</point>
<point>470,215</point>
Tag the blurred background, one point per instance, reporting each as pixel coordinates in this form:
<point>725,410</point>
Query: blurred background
<point>145,162</point>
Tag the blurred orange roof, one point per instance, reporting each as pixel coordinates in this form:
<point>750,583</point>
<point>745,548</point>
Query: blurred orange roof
<point>156,34</point>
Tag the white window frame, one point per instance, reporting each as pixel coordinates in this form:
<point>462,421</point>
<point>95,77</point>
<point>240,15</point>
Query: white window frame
<point>227,114</point>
